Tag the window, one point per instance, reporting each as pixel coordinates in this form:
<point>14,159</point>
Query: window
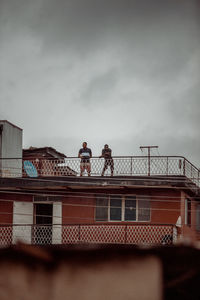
<point>130,208</point>
<point>40,198</point>
<point>42,234</point>
<point>102,208</point>
<point>115,208</point>
<point>144,209</point>
<point>122,208</point>
<point>47,198</point>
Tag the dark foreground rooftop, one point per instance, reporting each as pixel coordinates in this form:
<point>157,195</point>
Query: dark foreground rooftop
<point>41,270</point>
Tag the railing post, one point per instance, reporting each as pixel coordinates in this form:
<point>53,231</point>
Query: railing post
<point>191,172</point>
<point>149,162</point>
<point>184,167</point>
<point>167,169</point>
<point>198,179</point>
<point>131,166</point>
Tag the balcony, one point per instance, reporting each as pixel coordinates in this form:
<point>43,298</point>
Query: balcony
<point>123,166</point>
<point>142,234</point>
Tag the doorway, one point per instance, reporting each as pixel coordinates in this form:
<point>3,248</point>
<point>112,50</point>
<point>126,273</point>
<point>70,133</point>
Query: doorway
<point>43,217</point>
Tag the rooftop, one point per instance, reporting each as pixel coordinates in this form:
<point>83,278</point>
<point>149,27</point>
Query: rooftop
<point>46,152</point>
<point>128,171</point>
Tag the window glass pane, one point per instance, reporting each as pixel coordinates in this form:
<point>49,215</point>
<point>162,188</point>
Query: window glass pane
<point>144,208</point>
<point>40,198</point>
<point>130,208</point>
<point>55,198</point>
<point>102,208</point>
<point>115,208</point>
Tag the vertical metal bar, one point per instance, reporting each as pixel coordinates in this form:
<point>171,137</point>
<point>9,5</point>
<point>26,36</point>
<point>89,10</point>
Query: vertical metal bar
<point>184,167</point>
<point>191,172</point>
<point>167,169</point>
<point>39,166</point>
<point>148,161</point>
<point>131,166</point>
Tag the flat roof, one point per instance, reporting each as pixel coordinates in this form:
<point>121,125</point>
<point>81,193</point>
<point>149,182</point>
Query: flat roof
<point>78,184</point>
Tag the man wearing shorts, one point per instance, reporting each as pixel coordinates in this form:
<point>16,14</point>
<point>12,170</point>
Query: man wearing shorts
<point>107,155</point>
<point>85,154</point>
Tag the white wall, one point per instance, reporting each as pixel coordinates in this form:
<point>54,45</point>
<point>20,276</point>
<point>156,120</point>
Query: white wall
<point>11,147</point>
<point>22,216</point>
<point>23,219</point>
<point>57,221</point>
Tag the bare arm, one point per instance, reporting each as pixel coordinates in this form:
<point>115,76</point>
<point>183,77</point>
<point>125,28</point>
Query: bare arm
<point>102,154</point>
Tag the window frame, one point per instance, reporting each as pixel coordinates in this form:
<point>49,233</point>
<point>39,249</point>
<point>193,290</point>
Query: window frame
<point>123,199</point>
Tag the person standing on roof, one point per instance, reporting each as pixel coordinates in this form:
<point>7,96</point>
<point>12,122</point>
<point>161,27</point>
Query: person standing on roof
<point>85,154</point>
<point>107,155</point>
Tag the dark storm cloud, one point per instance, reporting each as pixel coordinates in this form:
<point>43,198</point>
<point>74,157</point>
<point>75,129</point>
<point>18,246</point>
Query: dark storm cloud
<point>90,24</point>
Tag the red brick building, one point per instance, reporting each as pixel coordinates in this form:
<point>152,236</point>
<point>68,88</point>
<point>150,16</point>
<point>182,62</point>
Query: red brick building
<point>129,207</point>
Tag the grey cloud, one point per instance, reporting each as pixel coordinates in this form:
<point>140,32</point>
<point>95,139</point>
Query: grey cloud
<point>99,89</point>
<point>186,111</point>
<point>84,25</point>
<point>127,69</point>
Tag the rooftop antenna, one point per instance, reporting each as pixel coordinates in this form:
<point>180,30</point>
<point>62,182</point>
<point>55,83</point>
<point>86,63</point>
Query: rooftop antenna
<point>149,154</point>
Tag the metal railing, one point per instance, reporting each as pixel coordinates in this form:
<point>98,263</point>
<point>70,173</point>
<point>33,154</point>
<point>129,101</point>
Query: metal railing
<point>142,234</point>
<point>123,166</point>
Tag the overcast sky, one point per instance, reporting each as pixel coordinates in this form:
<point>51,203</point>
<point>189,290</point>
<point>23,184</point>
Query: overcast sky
<point>126,73</point>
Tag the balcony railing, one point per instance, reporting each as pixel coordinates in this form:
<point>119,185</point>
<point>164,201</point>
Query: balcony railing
<point>123,166</point>
<point>144,234</point>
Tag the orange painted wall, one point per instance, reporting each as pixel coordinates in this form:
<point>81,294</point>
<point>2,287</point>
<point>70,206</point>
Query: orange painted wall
<point>15,197</point>
<point>6,205</point>
<point>78,209</point>
<point>165,207</point>
<point>6,212</point>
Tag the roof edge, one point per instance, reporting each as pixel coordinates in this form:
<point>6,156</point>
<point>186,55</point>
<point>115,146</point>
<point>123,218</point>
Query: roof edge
<point>6,121</point>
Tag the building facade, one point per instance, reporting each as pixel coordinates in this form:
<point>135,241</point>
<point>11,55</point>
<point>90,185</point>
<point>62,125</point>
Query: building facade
<point>147,210</point>
<point>148,200</point>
